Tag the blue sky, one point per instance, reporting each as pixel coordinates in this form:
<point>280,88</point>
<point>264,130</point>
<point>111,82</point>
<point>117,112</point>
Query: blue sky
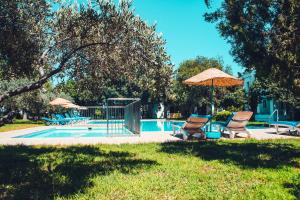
<point>184,29</point>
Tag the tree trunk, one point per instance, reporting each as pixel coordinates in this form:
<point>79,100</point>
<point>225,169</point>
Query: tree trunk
<point>39,83</point>
<point>7,119</point>
<point>25,117</point>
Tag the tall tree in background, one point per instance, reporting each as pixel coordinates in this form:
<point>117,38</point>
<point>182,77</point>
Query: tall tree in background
<point>23,33</point>
<point>264,36</point>
<point>102,38</point>
<point>94,90</point>
<point>39,42</point>
<point>187,98</point>
<point>34,103</point>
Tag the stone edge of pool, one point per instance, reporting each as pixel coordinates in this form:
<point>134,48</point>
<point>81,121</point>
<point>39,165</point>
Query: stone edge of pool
<point>7,138</point>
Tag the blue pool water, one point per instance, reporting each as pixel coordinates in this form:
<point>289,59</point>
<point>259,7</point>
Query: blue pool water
<point>73,132</point>
<point>146,126</point>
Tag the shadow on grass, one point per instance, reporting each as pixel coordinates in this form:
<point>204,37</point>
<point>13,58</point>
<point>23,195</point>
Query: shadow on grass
<point>245,155</point>
<point>45,172</point>
<point>294,186</point>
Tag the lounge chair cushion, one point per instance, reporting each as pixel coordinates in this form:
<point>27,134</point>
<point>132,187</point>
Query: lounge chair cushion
<point>242,116</point>
<point>197,120</point>
<point>194,124</point>
<point>287,123</point>
<point>240,120</point>
<point>190,126</point>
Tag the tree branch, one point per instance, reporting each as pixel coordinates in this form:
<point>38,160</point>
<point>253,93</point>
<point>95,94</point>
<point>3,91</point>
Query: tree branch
<point>7,118</point>
<point>37,84</point>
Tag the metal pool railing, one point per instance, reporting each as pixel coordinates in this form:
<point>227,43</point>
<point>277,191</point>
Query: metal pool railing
<point>94,112</point>
<point>123,115</point>
<point>132,117</point>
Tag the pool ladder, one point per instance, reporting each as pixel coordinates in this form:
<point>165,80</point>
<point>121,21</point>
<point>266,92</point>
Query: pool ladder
<point>272,116</point>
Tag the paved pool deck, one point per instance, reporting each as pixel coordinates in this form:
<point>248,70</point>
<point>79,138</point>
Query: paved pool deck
<point>7,138</point>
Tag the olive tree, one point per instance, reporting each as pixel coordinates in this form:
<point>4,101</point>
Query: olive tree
<point>264,36</point>
<point>73,41</point>
<point>102,38</point>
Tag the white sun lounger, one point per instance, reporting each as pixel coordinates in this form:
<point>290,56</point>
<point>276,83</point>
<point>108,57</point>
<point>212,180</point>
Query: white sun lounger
<point>291,127</point>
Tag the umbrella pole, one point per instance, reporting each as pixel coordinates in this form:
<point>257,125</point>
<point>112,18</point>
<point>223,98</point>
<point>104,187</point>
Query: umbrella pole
<point>211,102</point>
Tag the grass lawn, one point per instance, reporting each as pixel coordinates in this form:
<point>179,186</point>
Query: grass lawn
<point>254,123</point>
<point>20,124</point>
<point>208,170</point>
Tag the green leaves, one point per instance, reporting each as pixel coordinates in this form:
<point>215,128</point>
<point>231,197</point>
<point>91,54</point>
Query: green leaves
<point>133,61</point>
<point>187,98</point>
<point>264,36</point>
<point>97,46</point>
<point>23,34</point>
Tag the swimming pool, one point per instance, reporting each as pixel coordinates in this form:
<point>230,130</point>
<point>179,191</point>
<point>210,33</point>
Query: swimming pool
<point>160,125</point>
<point>74,132</point>
<point>146,125</point>
<point>65,132</point>
<point>62,132</point>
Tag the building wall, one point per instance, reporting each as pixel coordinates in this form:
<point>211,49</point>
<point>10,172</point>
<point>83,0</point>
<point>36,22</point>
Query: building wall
<point>267,106</point>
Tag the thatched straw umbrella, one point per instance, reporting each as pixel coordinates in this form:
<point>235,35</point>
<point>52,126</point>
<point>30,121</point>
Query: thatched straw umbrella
<point>59,102</point>
<point>213,77</point>
<point>70,105</point>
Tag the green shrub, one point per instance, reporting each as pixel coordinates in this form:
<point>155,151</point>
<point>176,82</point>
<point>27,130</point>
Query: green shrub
<point>222,116</point>
<point>98,112</point>
<point>233,109</point>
